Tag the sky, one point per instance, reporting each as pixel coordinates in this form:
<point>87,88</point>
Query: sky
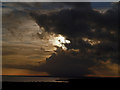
<point>60,39</point>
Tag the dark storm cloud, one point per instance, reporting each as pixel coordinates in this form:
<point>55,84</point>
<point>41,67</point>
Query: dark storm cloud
<point>75,22</point>
<point>109,19</point>
<point>67,22</point>
<point>71,63</point>
<point>68,63</point>
<point>78,22</point>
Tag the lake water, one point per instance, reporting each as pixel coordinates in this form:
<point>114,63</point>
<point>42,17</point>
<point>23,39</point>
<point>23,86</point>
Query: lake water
<point>31,79</point>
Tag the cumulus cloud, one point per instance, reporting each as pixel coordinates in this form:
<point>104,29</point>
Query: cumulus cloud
<point>76,23</point>
<point>67,63</point>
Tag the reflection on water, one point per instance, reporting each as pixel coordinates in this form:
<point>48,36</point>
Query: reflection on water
<point>32,79</point>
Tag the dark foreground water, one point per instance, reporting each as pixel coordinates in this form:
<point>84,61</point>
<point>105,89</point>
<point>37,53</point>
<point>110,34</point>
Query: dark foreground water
<point>58,83</point>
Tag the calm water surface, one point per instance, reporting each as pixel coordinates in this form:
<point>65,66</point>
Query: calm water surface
<point>31,79</point>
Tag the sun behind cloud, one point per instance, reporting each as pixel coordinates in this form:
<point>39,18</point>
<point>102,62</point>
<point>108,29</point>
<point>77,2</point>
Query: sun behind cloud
<point>59,41</point>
